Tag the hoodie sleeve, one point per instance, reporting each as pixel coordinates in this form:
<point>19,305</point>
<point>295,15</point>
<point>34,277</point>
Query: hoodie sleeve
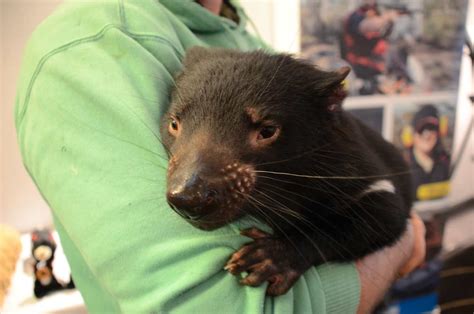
<point>87,117</point>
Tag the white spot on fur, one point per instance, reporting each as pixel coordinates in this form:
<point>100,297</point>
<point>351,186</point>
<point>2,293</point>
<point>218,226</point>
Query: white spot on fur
<point>380,186</point>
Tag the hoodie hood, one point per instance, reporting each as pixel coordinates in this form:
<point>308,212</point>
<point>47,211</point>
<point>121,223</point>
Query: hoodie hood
<point>200,20</point>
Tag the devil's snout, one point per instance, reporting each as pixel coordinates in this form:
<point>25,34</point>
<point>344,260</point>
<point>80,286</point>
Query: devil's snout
<point>192,198</point>
<point>207,192</point>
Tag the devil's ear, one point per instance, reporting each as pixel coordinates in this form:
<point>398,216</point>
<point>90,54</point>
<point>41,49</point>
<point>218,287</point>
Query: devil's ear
<point>342,73</point>
<point>334,79</point>
<point>336,89</point>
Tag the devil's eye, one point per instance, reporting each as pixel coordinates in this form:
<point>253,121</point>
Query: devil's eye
<point>264,135</point>
<point>267,132</point>
<point>173,126</point>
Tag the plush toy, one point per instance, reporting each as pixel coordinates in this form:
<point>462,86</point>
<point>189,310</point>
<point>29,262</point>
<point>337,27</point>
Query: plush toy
<point>43,248</point>
<point>10,248</point>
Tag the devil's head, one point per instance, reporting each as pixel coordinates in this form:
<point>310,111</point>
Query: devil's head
<point>233,114</point>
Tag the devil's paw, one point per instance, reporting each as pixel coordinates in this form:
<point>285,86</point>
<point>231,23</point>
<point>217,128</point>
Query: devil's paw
<point>268,258</point>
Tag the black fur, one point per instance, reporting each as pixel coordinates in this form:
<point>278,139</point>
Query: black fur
<point>318,138</point>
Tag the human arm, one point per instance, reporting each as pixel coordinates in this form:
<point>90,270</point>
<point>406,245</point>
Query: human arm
<point>379,270</point>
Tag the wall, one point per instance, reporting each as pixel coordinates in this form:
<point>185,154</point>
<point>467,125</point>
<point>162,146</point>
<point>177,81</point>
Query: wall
<point>20,203</point>
<point>277,22</point>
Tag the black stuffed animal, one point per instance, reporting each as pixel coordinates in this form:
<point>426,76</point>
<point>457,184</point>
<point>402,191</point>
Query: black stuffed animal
<point>42,249</point>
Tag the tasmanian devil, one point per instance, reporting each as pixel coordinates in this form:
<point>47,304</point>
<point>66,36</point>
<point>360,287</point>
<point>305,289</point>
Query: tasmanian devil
<point>249,133</point>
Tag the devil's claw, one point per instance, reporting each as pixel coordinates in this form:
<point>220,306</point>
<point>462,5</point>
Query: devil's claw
<point>267,258</point>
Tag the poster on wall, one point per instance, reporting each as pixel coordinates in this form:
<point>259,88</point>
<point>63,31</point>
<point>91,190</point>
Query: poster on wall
<point>397,50</point>
<point>392,46</point>
<point>424,134</point>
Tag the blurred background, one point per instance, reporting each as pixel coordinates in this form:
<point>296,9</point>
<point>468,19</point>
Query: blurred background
<point>423,62</point>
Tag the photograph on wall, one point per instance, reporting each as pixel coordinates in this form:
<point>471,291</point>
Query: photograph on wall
<point>392,46</point>
<point>424,135</point>
<point>373,117</point>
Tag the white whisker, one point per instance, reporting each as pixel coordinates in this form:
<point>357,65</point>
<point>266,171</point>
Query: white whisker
<point>333,177</point>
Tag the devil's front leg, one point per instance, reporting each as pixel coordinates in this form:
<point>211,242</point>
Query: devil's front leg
<point>280,261</point>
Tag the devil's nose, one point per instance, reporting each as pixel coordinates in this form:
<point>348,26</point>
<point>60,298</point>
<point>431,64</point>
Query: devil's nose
<point>191,199</point>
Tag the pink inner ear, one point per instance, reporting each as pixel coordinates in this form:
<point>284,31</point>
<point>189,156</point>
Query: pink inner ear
<point>336,98</point>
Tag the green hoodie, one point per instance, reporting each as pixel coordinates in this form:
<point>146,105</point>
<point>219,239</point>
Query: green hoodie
<point>94,83</point>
